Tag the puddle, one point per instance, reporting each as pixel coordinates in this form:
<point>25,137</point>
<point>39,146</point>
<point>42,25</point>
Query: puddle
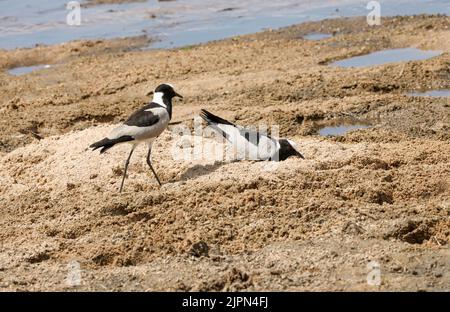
<point>317,36</point>
<point>178,23</point>
<point>341,129</point>
<point>18,71</point>
<point>387,56</point>
<point>432,93</point>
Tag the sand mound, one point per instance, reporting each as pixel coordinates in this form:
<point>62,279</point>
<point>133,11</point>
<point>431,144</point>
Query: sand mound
<point>60,163</point>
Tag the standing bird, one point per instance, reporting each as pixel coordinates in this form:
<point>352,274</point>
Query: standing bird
<point>258,145</point>
<point>143,126</point>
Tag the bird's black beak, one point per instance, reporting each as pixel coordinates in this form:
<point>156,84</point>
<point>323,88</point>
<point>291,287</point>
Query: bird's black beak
<point>178,95</point>
<point>300,155</point>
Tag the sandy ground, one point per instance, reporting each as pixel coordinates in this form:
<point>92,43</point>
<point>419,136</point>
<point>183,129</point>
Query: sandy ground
<point>380,194</point>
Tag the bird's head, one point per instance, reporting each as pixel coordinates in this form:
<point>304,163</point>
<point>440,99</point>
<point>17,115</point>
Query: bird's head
<point>167,91</point>
<point>288,148</point>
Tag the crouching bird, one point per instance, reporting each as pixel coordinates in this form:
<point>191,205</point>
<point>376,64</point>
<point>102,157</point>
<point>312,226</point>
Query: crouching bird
<point>257,145</point>
<point>143,126</point>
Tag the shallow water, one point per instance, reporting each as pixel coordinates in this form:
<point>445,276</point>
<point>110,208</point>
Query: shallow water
<point>317,36</point>
<point>26,23</point>
<point>341,129</point>
<point>386,56</point>
<point>18,71</point>
<point>432,93</point>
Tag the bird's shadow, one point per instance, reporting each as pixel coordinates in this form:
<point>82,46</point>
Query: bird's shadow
<point>201,170</point>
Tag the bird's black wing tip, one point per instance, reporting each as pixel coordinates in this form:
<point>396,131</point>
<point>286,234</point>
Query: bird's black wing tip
<point>205,115</point>
<point>204,111</point>
<point>210,118</point>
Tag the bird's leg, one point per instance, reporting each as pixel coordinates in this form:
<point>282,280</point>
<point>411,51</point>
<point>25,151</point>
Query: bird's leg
<point>126,168</point>
<point>149,162</point>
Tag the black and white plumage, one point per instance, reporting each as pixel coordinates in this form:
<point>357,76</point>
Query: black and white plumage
<point>143,126</point>
<point>256,145</point>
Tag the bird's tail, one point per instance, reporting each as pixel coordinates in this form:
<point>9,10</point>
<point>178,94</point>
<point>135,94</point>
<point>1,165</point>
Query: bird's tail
<point>212,119</point>
<point>106,143</point>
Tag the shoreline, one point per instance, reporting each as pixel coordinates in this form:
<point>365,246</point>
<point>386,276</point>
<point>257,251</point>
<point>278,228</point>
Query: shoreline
<point>197,23</point>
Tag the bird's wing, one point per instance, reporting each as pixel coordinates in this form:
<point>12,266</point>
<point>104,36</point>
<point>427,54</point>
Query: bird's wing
<point>247,141</point>
<point>144,117</point>
<point>230,130</point>
<point>251,134</point>
<point>145,123</point>
<point>250,143</point>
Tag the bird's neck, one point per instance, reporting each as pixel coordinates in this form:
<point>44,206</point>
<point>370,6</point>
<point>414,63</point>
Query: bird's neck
<point>163,100</point>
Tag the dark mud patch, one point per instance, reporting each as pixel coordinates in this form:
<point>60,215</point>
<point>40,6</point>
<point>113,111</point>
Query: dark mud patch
<point>413,231</point>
